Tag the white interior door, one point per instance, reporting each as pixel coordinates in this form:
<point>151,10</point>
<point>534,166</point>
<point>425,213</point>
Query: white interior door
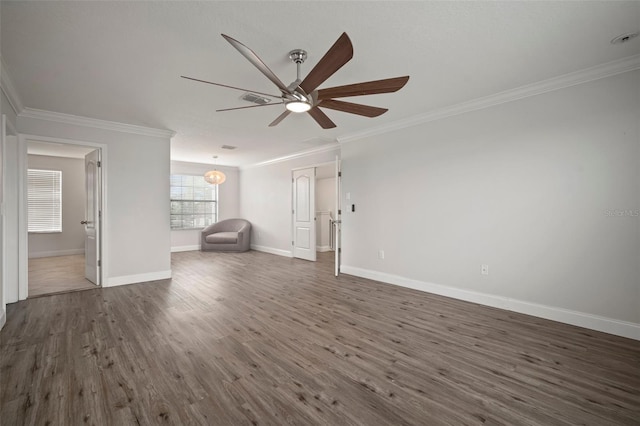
<point>92,217</point>
<point>337,224</point>
<point>304,214</point>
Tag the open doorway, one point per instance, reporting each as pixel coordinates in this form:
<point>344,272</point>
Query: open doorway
<point>62,189</point>
<point>315,211</point>
<point>325,207</point>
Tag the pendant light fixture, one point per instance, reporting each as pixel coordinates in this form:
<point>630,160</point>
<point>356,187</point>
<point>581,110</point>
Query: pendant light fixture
<point>215,177</point>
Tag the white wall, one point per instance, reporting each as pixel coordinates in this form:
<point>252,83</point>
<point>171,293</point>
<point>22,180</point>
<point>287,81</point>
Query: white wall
<point>526,187</point>
<point>137,236</point>
<point>265,200</point>
<point>228,201</point>
<point>71,239</point>
<point>326,195</point>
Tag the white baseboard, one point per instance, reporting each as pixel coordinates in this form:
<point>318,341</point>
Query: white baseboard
<point>54,253</point>
<point>279,252</point>
<point>3,318</point>
<point>580,319</point>
<point>138,278</point>
<point>185,248</point>
<point>323,248</point>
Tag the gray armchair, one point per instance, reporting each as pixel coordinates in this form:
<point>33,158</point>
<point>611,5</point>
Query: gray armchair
<point>226,235</point>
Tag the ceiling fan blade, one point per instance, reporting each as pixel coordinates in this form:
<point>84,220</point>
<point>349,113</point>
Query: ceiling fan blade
<point>387,85</point>
<point>232,87</point>
<point>249,106</point>
<point>257,62</point>
<point>280,118</point>
<point>365,110</point>
<point>338,55</point>
<point>321,118</point>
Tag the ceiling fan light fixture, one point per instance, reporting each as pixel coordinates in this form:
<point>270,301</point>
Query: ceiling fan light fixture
<point>298,106</point>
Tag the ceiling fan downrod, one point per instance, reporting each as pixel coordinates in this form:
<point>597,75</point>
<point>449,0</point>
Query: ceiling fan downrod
<point>298,56</point>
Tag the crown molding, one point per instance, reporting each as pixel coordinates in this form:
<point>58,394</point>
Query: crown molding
<point>182,163</point>
<point>300,154</point>
<point>597,72</point>
<point>95,123</point>
<point>9,89</point>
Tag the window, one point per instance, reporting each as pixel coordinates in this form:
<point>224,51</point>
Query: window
<point>44,200</point>
<point>194,203</point>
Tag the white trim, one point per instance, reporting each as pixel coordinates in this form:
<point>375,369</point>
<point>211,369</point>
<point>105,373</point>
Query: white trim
<point>137,278</point>
<point>23,243</point>
<point>3,227</point>
<point>316,165</point>
<point>322,249</point>
<point>23,248</point>
<point>185,248</point>
<point>190,164</point>
<point>295,155</point>
<point>9,89</point>
<point>279,252</point>
<point>580,319</point>
<point>54,253</point>
<point>597,72</point>
<point>95,123</point>
<point>55,140</point>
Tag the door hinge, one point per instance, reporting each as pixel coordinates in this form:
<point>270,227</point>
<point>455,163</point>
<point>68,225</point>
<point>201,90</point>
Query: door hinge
<point>99,163</point>
<point>339,212</point>
<point>291,242</point>
<point>339,174</point>
<point>99,263</point>
<point>293,212</point>
<point>339,249</point>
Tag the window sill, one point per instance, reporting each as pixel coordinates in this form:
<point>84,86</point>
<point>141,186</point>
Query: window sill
<point>44,232</point>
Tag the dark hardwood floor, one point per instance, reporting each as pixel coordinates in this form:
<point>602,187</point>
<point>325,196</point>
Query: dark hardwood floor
<point>253,338</point>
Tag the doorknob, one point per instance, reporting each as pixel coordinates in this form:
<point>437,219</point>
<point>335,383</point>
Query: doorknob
<point>84,222</point>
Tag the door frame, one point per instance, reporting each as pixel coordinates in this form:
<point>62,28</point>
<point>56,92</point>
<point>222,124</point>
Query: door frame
<point>315,165</point>
<point>23,165</point>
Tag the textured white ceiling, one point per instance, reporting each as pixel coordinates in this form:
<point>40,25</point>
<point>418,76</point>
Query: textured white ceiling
<point>121,61</point>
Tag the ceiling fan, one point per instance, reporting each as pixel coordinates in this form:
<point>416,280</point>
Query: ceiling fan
<point>303,95</point>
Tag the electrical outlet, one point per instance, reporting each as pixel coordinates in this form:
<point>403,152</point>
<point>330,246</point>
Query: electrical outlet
<point>484,269</point>
<point>381,254</point>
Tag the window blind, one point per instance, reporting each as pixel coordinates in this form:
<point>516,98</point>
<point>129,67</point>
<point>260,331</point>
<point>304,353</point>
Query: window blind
<point>44,200</point>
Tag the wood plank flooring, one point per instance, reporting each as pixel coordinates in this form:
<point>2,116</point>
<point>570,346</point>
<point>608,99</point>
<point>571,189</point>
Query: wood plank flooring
<point>57,274</point>
<point>252,338</point>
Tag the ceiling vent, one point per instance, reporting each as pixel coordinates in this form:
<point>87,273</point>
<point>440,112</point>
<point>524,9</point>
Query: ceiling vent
<point>228,147</point>
<point>256,99</point>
